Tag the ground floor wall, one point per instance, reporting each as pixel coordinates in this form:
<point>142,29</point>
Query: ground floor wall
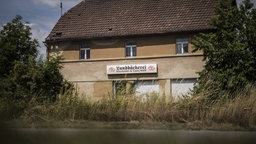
<point>92,79</point>
<point>167,87</point>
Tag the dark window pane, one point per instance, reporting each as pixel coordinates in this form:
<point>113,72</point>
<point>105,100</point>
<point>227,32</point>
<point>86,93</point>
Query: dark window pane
<point>134,51</point>
<point>128,51</point>
<point>82,54</point>
<point>88,54</point>
<point>185,48</point>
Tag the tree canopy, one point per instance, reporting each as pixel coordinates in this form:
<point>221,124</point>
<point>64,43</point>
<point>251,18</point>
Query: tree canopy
<point>22,75</point>
<point>16,44</point>
<point>230,50</point>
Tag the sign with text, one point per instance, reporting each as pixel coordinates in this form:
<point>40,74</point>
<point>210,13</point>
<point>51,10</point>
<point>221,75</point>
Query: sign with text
<point>131,68</point>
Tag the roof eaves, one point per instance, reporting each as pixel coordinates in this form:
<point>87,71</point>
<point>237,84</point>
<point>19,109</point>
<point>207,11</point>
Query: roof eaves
<point>77,38</point>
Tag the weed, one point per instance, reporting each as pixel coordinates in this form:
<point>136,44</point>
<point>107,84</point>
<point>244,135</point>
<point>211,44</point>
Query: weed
<point>240,110</point>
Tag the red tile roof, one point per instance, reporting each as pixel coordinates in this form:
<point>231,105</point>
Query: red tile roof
<point>109,18</point>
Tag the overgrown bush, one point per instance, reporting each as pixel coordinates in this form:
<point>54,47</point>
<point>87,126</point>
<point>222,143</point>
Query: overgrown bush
<point>229,51</point>
<point>24,77</point>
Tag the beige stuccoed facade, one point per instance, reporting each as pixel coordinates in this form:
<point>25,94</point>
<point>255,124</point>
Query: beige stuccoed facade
<point>131,47</point>
<point>92,79</point>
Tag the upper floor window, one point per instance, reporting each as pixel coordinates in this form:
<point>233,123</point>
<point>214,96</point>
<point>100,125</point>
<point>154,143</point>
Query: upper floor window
<point>85,52</point>
<point>182,46</point>
<point>130,49</point>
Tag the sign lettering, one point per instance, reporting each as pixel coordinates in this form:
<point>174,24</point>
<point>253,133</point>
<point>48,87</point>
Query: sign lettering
<point>132,69</point>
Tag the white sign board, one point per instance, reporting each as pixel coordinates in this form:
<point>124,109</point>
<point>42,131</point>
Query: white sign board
<point>132,69</point>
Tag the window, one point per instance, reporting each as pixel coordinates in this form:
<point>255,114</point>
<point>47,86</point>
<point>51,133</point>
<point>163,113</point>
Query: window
<point>182,46</point>
<point>181,87</point>
<point>119,88</point>
<point>85,52</point>
<point>146,87</point>
<point>130,49</point>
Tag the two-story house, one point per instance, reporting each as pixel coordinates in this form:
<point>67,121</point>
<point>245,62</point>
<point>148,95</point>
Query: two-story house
<point>114,46</point>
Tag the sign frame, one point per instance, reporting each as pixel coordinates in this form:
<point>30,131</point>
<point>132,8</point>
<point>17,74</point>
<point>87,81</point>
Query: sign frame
<point>132,69</point>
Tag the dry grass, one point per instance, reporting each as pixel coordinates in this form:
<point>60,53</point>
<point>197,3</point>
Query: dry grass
<point>240,111</point>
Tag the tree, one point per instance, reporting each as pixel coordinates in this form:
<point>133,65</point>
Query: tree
<point>22,75</point>
<point>16,44</point>
<point>38,78</point>
<point>230,51</point>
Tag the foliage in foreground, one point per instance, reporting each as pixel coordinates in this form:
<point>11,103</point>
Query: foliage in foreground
<point>240,111</point>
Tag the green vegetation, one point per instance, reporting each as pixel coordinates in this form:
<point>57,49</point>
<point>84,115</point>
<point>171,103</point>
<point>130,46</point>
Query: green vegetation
<point>34,90</point>
<point>152,112</point>
<point>229,51</point>
<point>22,76</point>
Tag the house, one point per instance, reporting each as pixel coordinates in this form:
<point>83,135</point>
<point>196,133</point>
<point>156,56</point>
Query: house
<point>119,46</point>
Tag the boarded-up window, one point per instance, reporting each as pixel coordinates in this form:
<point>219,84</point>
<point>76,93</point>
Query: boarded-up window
<point>181,87</point>
<point>146,87</point>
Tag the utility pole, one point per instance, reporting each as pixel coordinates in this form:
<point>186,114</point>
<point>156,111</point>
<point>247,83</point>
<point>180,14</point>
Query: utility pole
<point>60,8</point>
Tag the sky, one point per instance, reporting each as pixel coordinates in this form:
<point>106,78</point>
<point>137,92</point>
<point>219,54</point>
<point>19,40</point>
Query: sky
<point>41,14</point>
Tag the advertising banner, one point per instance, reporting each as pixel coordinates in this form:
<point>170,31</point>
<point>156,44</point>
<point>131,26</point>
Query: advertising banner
<point>131,69</point>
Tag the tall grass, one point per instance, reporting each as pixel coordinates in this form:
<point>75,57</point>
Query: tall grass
<point>121,108</point>
<point>240,110</point>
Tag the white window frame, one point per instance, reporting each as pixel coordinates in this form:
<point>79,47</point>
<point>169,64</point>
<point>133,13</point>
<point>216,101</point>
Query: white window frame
<point>86,55</point>
<point>182,42</point>
<point>130,46</point>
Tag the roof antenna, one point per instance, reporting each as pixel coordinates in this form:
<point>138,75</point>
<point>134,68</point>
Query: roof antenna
<point>60,8</point>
